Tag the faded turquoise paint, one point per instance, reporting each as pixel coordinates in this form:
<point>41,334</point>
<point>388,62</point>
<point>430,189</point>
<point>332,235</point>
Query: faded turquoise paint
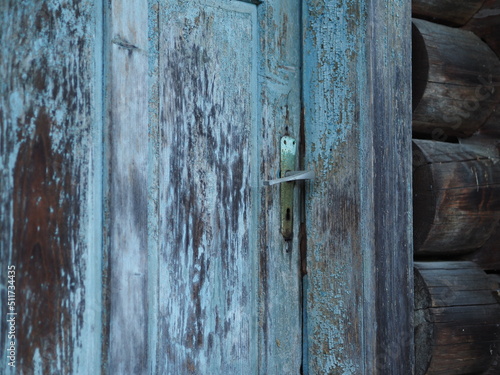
<point>223,86</point>
<point>279,293</point>
<point>207,263</point>
<point>358,136</point>
<point>197,288</point>
<point>50,199</point>
<point>335,77</point>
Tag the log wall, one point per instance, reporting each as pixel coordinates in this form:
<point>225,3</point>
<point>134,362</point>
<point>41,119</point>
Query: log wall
<point>457,319</point>
<point>456,198</point>
<point>486,25</point>
<point>451,12</point>
<point>452,71</point>
<point>456,115</point>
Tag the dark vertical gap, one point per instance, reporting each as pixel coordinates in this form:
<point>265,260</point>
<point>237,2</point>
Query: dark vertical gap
<point>304,368</point>
<point>262,248</point>
<point>106,141</point>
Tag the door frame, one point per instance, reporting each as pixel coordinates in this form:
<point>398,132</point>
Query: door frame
<point>357,98</point>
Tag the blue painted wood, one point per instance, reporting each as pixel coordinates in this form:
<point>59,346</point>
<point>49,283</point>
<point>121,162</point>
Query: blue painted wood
<point>226,277</point>
<point>127,154</point>
<point>357,115</point>
<point>207,263</point>
<point>218,289</point>
<point>280,307</point>
<point>50,184</point>
<point>197,278</point>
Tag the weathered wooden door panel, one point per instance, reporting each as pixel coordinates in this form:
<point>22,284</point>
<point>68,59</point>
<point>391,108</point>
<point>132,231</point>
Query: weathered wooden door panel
<point>208,265</point>
<point>200,278</point>
<point>50,106</point>
<point>213,312</point>
<point>358,139</point>
<point>128,162</point>
<point>196,277</point>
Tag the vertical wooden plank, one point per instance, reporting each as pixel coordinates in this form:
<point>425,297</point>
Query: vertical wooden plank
<point>280,305</point>
<point>357,116</point>
<point>49,114</point>
<point>390,122</point>
<point>208,263</point>
<point>127,188</point>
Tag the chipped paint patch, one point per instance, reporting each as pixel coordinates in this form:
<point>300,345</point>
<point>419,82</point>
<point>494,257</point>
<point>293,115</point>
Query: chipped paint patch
<point>48,96</point>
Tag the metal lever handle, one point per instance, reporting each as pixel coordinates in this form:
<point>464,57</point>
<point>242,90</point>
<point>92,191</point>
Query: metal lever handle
<point>291,176</point>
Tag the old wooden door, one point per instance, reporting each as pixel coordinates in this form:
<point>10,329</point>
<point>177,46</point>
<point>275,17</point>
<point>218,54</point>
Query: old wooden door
<point>200,278</point>
<point>135,139</point>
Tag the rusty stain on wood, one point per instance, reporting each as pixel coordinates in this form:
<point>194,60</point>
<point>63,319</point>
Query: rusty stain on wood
<point>47,100</point>
<point>44,230</point>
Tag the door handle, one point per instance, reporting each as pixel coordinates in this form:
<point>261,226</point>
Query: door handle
<point>291,176</point>
<point>288,176</point>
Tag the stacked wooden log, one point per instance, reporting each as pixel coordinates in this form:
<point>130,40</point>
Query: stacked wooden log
<point>457,318</point>
<point>456,185</point>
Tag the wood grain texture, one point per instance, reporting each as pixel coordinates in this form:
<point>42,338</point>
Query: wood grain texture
<point>228,285</point>
<point>450,12</point>
<point>279,291</point>
<point>488,255</point>
<point>127,293</point>
<point>455,73</point>
<point>495,363</point>
<point>486,24</point>
<point>49,106</point>
<point>456,318</point>
<point>456,197</point>
<point>357,119</point>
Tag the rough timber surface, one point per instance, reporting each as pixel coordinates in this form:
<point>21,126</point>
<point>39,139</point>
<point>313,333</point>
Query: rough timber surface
<point>456,197</point>
<point>455,71</point>
<point>486,25</point>
<point>228,297</point>
<point>127,297</point>
<point>357,116</point>
<point>450,12</point>
<point>49,108</point>
<point>456,319</point>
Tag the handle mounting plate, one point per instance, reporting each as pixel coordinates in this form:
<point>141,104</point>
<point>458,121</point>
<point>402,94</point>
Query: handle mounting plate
<point>288,157</point>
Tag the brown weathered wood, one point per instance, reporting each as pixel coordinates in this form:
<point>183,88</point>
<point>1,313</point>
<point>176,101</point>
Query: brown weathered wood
<point>452,12</point>
<point>494,368</point>
<point>486,24</point>
<point>456,197</point>
<point>457,319</point>
<point>488,255</point>
<point>49,105</point>
<point>452,71</point>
